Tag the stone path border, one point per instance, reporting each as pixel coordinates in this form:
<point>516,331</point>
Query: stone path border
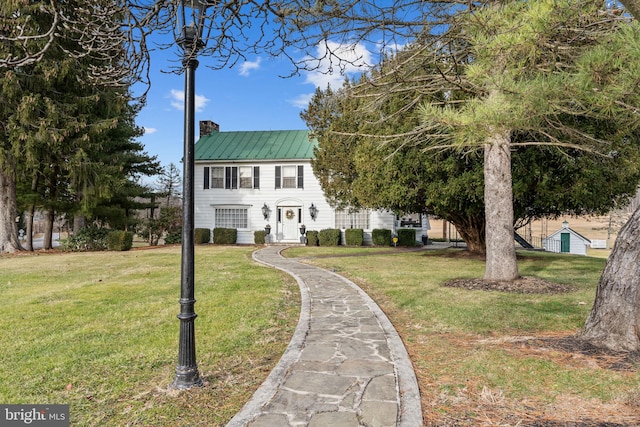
<point>345,366</point>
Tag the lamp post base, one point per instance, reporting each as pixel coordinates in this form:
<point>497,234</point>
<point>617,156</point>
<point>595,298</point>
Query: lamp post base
<point>186,377</point>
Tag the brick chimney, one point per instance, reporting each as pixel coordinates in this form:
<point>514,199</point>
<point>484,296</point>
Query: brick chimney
<point>207,127</point>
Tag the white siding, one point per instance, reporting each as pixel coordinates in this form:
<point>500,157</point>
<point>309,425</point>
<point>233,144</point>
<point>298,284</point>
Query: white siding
<point>206,200</point>
<point>577,245</point>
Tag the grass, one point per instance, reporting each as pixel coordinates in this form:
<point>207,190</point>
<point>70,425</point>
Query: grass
<point>466,345</point>
<point>99,331</point>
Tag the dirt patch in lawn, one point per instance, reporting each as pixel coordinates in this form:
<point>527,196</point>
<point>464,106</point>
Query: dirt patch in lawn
<point>522,285</point>
<point>473,403</point>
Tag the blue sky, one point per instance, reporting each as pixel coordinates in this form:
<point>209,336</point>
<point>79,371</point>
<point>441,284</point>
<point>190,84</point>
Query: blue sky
<point>249,96</point>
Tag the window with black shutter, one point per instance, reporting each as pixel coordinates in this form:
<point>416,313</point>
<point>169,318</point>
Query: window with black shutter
<point>278,177</point>
<point>227,178</point>
<point>300,176</point>
<point>256,177</point>
<point>206,182</point>
<point>231,177</point>
<point>234,177</point>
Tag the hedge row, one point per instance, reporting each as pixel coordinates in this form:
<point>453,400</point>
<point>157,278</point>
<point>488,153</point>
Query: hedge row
<point>201,235</point>
<point>259,237</point>
<point>119,240</point>
<point>225,236</point>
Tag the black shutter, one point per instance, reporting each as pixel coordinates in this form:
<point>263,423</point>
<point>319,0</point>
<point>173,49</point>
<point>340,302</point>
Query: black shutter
<point>206,182</point>
<point>278,177</point>
<point>256,177</point>
<point>234,177</point>
<point>227,177</point>
<point>300,176</point>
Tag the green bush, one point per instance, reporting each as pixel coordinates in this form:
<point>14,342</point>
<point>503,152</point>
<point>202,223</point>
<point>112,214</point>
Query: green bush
<point>381,237</point>
<point>201,235</point>
<point>312,238</point>
<point>259,237</point>
<point>225,236</point>
<point>119,240</point>
<point>406,237</point>
<point>173,237</point>
<point>354,236</point>
<point>91,238</point>
<point>329,237</point>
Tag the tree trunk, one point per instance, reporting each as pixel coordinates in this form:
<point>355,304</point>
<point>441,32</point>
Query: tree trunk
<point>29,223</point>
<point>501,261</point>
<point>614,321</point>
<point>9,241</point>
<point>78,222</point>
<point>48,229</point>
<point>31,212</point>
<point>472,231</point>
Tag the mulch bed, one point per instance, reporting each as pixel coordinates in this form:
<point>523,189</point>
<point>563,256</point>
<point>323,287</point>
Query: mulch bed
<point>522,285</point>
<point>544,423</point>
<point>607,359</point>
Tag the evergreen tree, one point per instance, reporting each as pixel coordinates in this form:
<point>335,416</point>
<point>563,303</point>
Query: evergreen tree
<point>58,122</point>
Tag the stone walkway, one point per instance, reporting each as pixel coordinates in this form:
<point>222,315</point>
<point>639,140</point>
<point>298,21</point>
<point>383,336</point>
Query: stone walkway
<point>345,365</point>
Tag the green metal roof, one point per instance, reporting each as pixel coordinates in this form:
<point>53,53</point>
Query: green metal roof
<point>255,145</point>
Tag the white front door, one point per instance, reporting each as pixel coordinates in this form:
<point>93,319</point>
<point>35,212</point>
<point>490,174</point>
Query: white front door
<point>289,222</point>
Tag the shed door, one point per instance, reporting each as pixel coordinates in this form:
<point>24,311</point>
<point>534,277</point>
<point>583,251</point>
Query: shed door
<point>565,242</point>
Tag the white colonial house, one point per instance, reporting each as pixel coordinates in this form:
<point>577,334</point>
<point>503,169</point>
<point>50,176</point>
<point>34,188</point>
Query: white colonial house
<point>248,180</point>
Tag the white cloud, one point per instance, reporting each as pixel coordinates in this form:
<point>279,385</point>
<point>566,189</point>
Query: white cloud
<point>301,101</point>
<point>249,66</point>
<point>177,100</point>
<point>149,131</point>
<point>337,61</point>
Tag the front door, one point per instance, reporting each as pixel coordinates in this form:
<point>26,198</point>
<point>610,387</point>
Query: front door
<point>289,219</point>
<point>565,242</point>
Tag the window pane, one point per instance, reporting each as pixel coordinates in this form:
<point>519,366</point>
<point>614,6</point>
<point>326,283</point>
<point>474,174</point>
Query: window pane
<point>356,219</point>
<point>231,218</point>
<point>288,177</point>
<point>217,177</point>
<point>246,181</point>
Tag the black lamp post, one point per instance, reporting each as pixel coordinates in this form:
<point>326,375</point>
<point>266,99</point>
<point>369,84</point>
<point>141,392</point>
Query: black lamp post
<point>190,25</point>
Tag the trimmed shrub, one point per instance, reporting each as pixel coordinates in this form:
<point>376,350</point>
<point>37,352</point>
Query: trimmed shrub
<point>329,237</point>
<point>354,236</point>
<point>173,237</point>
<point>201,235</point>
<point>312,238</point>
<point>91,238</point>
<point>381,237</point>
<point>259,237</point>
<point>119,240</point>
<point>406,237</point>
<point>225,236</point>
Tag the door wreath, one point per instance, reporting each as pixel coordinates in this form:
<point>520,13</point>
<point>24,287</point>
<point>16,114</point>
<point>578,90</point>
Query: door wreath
<point>289,214</point>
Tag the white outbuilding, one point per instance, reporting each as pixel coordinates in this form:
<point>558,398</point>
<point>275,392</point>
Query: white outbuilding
<point>567,241</point>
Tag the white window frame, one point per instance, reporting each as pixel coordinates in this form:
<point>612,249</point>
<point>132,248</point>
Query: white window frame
<point>348,218</point>
<point>245,176</point>
<point>217,181</point>
<point>231,217</point>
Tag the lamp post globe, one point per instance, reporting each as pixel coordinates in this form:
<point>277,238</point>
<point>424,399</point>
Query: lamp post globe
<point>191,16</point>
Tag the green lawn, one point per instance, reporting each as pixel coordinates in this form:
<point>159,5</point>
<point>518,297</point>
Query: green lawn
<point>99,331</point>
<point>465,342</point>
